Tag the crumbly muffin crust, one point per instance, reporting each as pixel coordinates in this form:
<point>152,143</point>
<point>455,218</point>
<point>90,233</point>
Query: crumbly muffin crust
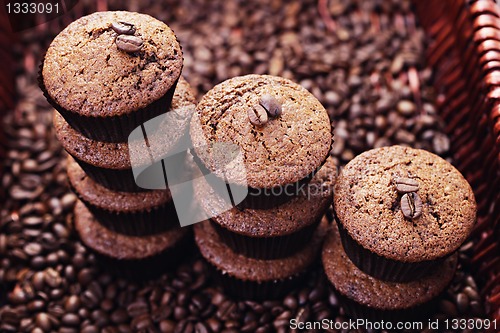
<point>85,73</point>
<point>367,204</point>
<point>285,150</point>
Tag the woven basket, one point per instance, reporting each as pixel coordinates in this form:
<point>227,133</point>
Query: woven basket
<point>465,54</point>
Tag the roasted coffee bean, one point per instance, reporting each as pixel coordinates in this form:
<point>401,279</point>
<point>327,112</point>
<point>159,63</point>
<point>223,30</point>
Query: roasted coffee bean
<point>462,302</point>
<point>167,326</point>
<point>257,115</point>
<point>137,308</point>
<point>123,28</point>
<point>32,249</point>
<point>43,321</point>
<point>406,185</point>
<point>406,108</point>
<point>129,44</point>
<point>90,329</point>
<point>290,302</point>
<point>411,205</point>
<point>52,277</point>
<point>271,104</point>
<point>71,319</point>
<point>72,304</point>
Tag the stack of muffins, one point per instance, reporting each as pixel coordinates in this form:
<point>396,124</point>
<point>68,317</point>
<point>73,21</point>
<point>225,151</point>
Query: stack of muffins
<point>261,247</point>
<point>401,214</point>
<point>106,74</point>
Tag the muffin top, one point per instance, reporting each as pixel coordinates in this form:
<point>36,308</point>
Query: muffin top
<point>113,201</point>
<point>249,269</point>
<point>368,204</point>
<point>353,283</point>
<point>307,207</point>
<point>110,155</point>
<point>118,246</point>
<point>284,150</point>
<point>85,72</point>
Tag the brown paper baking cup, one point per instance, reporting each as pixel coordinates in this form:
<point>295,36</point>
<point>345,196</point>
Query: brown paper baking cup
<point>263,198</point>
<point>256,290</point>
<point>136,223</point>
<point>266,247</point>
<point>116,180</point>
<point>356,311</point>
<point>383,268</point>
<point>110,129</point>
<point>147,268</point>
<point>131,256</point>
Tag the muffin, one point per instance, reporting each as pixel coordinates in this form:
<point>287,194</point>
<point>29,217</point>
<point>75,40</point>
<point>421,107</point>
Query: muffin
<point>284,151</point>
<point>389,236</point>
<point>135,214</point>
<point>100,83</point>
<point>133,257</point>
<point>366,297</point>
<point>109,163</point>
<point>255,278</point>
<point>276,232</point>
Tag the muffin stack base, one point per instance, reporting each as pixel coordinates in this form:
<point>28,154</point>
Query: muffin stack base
<point>107,74</point>
<point>134,233</point>
<point>260,247</point>
<point>401,215</point>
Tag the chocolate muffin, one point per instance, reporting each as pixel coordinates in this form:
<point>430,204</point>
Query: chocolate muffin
<point>276,232</point>
<point>133,257</point>
<point>364,296</point>
<point>109,72</point>
<point>109,163</point>
<point>255,278</point>
<point>135,214</point>
<point>286,149</point>
<point>385,234</point>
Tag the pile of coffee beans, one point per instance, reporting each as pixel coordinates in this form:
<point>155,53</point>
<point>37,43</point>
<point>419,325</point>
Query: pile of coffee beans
<point>364,62</point>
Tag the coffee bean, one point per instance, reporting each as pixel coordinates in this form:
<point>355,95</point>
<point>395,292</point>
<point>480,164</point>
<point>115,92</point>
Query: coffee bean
<point>72,304</point>
<point>71,319</point>
<point>271,104</point>
<point>137,308</point>
<point>201,328</point>
<point>440,143</point>
<point>32,249</point>
<point>129,44</point>
<point>124,28</point>
<point>411,205</point>
<point>473,294</point>
<point>43,321</point>
<point>257,115</point>
<point>290,302</point>
<point>100,317</point>
<point>406,185</point>
<point>180,313</point>
<point>90,329</point>
<point>52,277</point>
<point>36,305</point>
<point>406,108</point>
<point>167,326</point>
<point>462,303</point>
